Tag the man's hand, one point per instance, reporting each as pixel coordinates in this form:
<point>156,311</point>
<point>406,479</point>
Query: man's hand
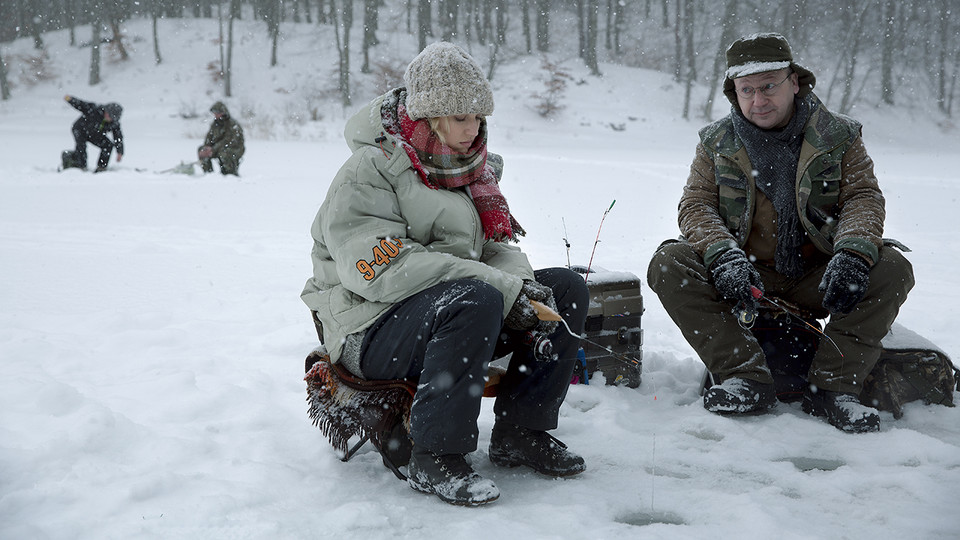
<point>733,276</point>
<point>844,282</point>
<point>205,152</point>
<point>119,157</point>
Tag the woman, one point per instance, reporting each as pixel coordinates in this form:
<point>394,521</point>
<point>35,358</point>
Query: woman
<point>414,277</point>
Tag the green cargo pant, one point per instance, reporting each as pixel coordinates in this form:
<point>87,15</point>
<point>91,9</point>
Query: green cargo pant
<point>678,276</point>
<point>229,162</point>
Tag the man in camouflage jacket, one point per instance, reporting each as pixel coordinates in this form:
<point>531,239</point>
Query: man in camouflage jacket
<point>782,202</point>
<point>224,141</point>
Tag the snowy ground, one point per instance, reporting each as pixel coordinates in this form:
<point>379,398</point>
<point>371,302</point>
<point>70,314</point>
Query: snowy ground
<point>152,337</point>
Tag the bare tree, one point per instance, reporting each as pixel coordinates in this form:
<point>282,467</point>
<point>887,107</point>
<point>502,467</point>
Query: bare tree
<point>271,14</point>
<point>591,13</point>
<point>4,85</point>
<point>525,24</point>
<point>156,36</point>
<point>543,25</point>
<point>95,50</point>
<point>447,13</point>
<point>371,10</point>
<point>343,47</point>
<point>424,23</point>
<point>691,55</point>
<point>500,8</point>
<point>887,51</point>
<point>228,71</point>
<point>720,60</point>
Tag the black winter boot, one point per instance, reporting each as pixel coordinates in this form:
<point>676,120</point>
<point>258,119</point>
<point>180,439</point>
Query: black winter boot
<point>449,477</point>
<point>843,410</point>
<point>740,396</point>
<point>512,445</point>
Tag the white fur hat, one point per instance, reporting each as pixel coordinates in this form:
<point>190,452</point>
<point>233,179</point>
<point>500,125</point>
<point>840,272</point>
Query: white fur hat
<point>443,80</point>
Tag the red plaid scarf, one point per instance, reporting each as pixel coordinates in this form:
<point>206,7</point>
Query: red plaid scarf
<point>440,167</point>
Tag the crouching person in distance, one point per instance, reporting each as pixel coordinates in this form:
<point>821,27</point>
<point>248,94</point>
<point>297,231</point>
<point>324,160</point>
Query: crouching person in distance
<point>92,127</point>
<point>782,199</point>
<point>414,277</point>
<point>224,142</point>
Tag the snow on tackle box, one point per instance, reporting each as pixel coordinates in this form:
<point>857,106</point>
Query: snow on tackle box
<point>613,321</point>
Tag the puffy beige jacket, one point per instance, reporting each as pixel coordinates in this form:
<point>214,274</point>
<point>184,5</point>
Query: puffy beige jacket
<point>381,236</point>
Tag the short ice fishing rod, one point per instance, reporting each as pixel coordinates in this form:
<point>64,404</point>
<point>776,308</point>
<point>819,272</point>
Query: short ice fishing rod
<point>747,317</point>
<point>545,313</point>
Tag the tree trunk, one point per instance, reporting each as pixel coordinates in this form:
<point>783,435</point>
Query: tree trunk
<point>543,25</point>
<point>720,60</point>
<point>591,8</point>
<point>156,39</point>
<point>343,46</point>
<point>691,55</point>
<point>887,51</point>
<point>447,14</point>
<point>525,18</point>
<point>4,85</point>
<point>581,29</point>
<point>118,39</point>
<point>619,24</point>
<point>424,23</point>
<point>228,72</point>
<point>272,15</point>
<point>95,52</point>
<point>370,24</point>
<point>501,9</point>
<point>944,20</point>
<point>677,43</point>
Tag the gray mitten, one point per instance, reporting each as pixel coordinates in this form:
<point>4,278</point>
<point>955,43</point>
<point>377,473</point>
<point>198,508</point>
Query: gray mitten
<point>544,295</point>
<point>522,316</point>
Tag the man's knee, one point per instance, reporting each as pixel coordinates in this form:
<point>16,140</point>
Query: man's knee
<point>893,272</point>
<point>672,259</point>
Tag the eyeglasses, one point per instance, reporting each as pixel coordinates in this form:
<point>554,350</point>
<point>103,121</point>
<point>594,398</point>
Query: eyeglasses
<point>768,89</point>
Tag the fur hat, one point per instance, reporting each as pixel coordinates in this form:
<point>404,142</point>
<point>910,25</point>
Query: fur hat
<point>759,53</point>
<point>443,80</point>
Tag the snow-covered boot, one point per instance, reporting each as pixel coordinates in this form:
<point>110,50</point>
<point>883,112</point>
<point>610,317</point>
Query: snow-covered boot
<point>449,477</point>
<point>843,410</point>
<point>740,396</point>
<point>512,445</point>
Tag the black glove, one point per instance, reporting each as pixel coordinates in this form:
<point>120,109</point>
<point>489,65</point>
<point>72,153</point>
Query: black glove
<point>733,276</point>
<point>844,282</point>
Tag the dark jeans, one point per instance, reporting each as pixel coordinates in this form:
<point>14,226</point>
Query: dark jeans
<point>447,335</point>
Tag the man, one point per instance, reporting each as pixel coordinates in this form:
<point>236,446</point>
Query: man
<point>92,126</point>
<point>224,141</point>
<point>781,201</point>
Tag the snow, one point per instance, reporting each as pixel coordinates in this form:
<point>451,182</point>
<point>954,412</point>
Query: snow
<point>152,336</point>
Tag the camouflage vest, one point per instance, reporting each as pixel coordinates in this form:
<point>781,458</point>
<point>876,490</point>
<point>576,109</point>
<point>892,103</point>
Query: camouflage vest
<point>827,137</point>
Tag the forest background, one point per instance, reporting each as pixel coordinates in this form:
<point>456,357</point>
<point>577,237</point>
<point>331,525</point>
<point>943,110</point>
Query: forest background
<point>876,52</point>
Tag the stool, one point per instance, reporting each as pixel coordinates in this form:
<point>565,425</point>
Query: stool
<point>343,405</point>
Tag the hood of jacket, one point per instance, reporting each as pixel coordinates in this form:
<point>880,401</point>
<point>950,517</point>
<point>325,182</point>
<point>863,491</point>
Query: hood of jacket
<point>365,128</point>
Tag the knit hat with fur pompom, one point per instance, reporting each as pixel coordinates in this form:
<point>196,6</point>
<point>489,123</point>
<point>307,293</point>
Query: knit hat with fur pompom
<point>443,80</point>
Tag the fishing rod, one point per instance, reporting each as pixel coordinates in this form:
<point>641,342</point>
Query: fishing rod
<point>747,317</point>
<point>545,313</point>
<point>597,241</point>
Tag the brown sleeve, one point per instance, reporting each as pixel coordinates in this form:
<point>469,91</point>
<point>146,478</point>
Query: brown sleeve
<point>699,214</point>
<point>862,211</point>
